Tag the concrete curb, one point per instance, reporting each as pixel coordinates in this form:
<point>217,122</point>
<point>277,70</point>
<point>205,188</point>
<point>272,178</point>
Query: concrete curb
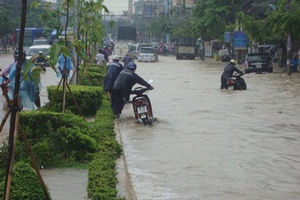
<point>124,186</point>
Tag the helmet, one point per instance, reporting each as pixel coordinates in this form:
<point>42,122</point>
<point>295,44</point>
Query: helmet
<point>233,61</point>
<point>16,54</point>
<point>132,66</point>
<point>116,57</point>
<point>40,52</point>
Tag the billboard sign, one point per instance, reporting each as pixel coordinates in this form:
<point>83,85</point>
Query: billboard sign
<point>239,40</point>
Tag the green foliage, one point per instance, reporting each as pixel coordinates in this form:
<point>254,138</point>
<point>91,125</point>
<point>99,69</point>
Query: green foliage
<point>87,97</point>
<point>10,15</point>
<point>273,27</point>
<point>92,75</point>
<point>213,16</point>
<point>56,50</point>
<point>102,170</point>
<point>92,78</point>
<point>7,24</point>
<point>57,137</point>
<point>25,183</point>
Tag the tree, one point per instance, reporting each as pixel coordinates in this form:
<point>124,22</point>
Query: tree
<point>215,17</point>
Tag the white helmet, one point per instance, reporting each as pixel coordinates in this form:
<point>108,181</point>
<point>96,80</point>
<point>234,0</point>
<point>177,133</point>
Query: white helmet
<point>116,57</point>
<point>233,61</point>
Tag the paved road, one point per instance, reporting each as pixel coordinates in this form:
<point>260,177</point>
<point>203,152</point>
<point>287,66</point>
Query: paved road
<point>214,144</point>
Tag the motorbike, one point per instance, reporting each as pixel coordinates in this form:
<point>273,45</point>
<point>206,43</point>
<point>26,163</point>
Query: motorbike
<point>142,106</point>
<point>42,65</point>
<point>237,82</point>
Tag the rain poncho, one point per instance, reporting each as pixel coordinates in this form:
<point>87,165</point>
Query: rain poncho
<point>62,65</point>
<point>28,88</point>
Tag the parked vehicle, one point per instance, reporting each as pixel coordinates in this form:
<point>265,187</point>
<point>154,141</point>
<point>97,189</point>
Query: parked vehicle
<point>185,48</point>
<point>142,106</point>
<point>258,62</point>
<point>147,54</point>
<point>30,34</point>
<point>141,45</point>
<point>126,37</point>
<point>237,82</point>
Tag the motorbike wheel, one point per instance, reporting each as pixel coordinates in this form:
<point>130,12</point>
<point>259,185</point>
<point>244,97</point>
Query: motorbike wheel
<point>145,121</point>
<point>243,84</point>
<point>240,85</point>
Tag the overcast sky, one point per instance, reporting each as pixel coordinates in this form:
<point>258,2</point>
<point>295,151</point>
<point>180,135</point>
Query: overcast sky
<point>116,6</point>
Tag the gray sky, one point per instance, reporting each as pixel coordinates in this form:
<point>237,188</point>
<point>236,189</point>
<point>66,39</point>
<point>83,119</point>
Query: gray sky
<point>116,6</point>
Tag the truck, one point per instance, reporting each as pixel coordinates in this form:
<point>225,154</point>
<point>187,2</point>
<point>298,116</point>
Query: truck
<point>185,48</point>
<point>126,37</point>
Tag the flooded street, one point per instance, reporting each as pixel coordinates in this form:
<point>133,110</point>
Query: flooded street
<point>208,143</point>
<point>214,144</point>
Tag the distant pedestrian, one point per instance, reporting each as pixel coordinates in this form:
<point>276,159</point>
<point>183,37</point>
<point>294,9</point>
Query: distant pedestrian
<point>105,51</point>
<point>112,72</point>
<point>100,59</point>
<point>294,63</point>
<point>64,65</point>
<point>127,59</point>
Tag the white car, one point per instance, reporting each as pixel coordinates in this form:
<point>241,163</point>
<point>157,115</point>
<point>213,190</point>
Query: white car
<point>35,49</point>
<point>147,54</point>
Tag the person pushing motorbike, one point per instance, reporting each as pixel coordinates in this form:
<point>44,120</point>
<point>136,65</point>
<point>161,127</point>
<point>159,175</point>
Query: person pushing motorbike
<point>228,72</point>
<point>122,87</point>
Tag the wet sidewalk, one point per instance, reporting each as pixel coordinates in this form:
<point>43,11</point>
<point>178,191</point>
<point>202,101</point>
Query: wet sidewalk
<point>65,184</point>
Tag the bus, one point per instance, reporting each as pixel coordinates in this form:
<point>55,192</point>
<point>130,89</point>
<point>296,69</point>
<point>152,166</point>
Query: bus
<point>55,36</point>
<point>30,34</point>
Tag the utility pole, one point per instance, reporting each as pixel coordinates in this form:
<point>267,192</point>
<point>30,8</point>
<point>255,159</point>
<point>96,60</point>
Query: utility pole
<point>289,54</point>
<point>289,45</point>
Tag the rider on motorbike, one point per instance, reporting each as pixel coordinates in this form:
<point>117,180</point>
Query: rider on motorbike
<point>123,85</point>
<point>228,72</point>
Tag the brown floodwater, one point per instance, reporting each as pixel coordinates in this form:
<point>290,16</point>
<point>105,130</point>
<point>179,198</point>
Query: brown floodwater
<point>207,143</point>
<point>214,144</point>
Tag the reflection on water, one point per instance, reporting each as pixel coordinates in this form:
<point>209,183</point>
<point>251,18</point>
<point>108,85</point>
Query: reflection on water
<point>215,144</point>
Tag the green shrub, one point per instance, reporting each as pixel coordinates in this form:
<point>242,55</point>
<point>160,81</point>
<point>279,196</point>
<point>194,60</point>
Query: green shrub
<point>57,137</point>
<point>102,179</point>
<point>25,183</point>
<point>88,99</point>
<point>91,75</point>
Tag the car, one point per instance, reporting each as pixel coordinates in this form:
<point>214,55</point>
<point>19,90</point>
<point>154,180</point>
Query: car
<point>139,46</point>
<point>35,49</point>
<point>258,62</point>
<point>147,54</point>
<point>40,41</point>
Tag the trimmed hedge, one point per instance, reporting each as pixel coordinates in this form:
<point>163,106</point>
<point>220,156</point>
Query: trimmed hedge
<point>102,178</point>
<point>65,137</point>
<point>57,137</point>
<point>91,75</point>
<point>88,99</point>
<point>25,184</point>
